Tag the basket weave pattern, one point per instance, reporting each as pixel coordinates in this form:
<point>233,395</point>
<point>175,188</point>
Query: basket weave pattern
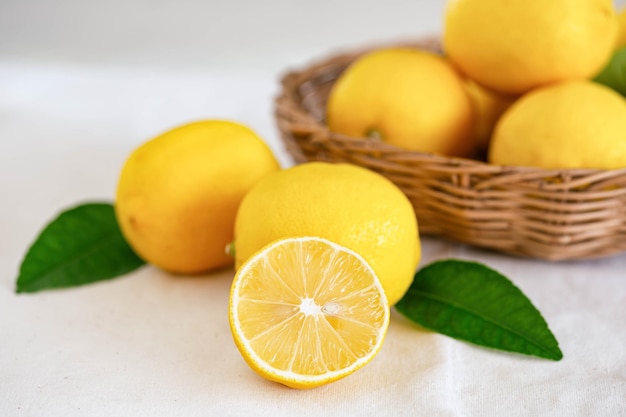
<point>531,212</point>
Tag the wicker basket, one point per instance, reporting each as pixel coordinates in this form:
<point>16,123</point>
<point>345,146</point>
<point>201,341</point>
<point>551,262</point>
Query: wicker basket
<point>546,214</point>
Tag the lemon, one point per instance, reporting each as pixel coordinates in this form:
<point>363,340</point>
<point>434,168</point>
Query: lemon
<point>305,312</point>
<point>346,204</point>
<point>409,98</point>
<point>576,124</point>
<point>178,193</point>
<point>513,47</point>
<point>488,107</point>
<point>621,38</point>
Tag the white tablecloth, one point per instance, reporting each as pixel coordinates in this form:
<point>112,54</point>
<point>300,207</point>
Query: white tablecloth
<point>150,344</point>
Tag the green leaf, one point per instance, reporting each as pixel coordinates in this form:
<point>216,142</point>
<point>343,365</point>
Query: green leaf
<point>614,73</point>
<point>471,302</point>
<point>82,245</point>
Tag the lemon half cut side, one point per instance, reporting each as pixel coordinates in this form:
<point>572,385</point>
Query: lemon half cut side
<point>306,311</point>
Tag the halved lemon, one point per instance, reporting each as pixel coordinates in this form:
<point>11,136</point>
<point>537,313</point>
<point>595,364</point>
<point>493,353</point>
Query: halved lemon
<point>305,312</point>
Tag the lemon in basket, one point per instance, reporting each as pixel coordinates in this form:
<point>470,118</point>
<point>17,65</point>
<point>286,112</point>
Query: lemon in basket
<point>409,98</point>
<point>576,124</point>
<point>178,193</point>
<point>488,108</point>
<point>515,46</point>
<point>346,204</point>
<point>305,312</point>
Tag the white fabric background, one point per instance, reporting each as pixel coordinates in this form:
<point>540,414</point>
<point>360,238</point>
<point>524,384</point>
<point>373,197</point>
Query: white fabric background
<point>83,83</point>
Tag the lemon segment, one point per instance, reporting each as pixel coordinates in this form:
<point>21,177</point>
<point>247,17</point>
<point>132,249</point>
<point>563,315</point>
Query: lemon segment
<point>305,312</point>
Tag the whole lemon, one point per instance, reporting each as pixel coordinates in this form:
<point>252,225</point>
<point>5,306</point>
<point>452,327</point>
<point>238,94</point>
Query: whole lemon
<point>515,46</point>
<point>576,124</point>
<point>346,204</point>
<point>409,98</point>
<point>178,193</point>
